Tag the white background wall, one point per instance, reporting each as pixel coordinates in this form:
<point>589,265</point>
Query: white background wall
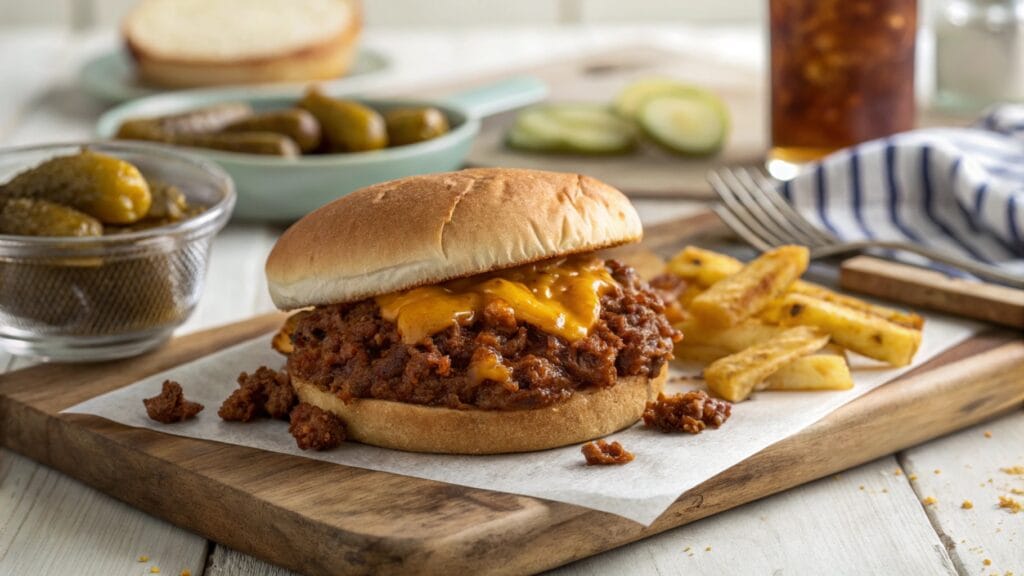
<point>429,13</point>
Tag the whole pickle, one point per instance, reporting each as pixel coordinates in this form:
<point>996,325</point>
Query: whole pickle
<point>347,126</point>
<point>33,217</point>
<point>104,187</point>
<point>141,129</point>
<point>411,125</point>
<point>295,123</point>
<point>169,203</point>
<point>203,120</point>
<point>266,143</point>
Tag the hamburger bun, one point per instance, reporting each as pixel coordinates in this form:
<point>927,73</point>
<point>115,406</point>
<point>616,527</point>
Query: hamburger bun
<point>189,43</point>
<point>427,229</point>
<point>587,414</point>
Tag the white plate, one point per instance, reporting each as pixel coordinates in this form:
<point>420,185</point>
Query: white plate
<point>111,75</point>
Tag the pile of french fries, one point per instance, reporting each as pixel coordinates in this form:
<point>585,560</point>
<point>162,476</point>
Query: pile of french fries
<point>758,326</point>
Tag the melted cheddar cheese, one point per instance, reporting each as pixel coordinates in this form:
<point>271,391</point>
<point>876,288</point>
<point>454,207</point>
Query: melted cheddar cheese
<point>561,297</point>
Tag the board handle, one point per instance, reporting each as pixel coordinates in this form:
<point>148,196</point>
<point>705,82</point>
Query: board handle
<point>500,96</point>
<point>933,290</point>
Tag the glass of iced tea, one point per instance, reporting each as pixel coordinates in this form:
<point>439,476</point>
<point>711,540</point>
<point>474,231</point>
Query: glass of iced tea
<point>842,72</point>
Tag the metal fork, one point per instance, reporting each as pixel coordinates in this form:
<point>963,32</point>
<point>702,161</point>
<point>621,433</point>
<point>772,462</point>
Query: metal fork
<point>753,207</point>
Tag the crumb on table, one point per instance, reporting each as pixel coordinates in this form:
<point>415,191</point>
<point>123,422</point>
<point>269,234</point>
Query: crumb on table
<point>929,501</point>
<point>602,453</point>
<point>1010,504</point>
<point>967,505</point>
<point>264,393</point>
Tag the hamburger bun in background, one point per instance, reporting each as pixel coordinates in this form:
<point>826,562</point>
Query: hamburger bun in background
<point>193,43</point>
<point>424,230</point>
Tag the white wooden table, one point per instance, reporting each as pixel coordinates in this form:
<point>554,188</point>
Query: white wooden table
<point>869,520</point>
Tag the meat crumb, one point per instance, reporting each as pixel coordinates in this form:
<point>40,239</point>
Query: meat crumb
<point>170,405</point>
<point>688,412</point>
<point>316,429</point>
<point>603,453</point>
<point>1010,504</point>
<point>265,392</point>
<point>967,505</point>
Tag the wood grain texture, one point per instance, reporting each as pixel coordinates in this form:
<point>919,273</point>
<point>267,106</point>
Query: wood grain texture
<point>378,522</point>
<point>42,511</point>
<point>921,288</point>
<point>797,532</point>
<point>966,467</point>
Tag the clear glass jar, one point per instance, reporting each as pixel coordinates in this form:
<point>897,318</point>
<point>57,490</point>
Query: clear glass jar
<point>100,298</point>
<point>979,54</point>
<point>842,72</point>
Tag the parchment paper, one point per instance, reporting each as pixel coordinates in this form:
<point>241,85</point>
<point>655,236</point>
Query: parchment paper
<point>666,465</point>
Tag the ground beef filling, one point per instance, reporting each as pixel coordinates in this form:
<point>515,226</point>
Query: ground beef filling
<point>349,350</point>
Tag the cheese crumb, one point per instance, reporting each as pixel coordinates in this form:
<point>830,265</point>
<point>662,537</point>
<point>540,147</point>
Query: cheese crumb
<point>1010,504</point>
<point>143,558</point>
<point>988,434</point>
<point>937,471</point>
<point>1017,470</point>
<point>154,570</point>
<point>861,487</point>
<point>708,549</point>
<point>930,500</point>
<point>967,505</point>
<point>986,562</point>
<point>913,477</point>
<point>898,472</point>
<point>687,549</point>
<point>186,572</point>
<point>1017,491</point>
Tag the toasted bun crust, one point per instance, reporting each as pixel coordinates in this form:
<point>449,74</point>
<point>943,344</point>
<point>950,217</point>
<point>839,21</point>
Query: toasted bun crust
<point>584,416</point>
<point>426,229</point>
<point>318,42</point>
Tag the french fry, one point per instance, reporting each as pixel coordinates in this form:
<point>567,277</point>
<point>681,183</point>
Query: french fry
<point>826,370</point>
<point>854,329</point>
<point>736,376</point>
<point>748,291</point>
<point>908,319</point>
<point>705,267</point>
<point>747,333</point>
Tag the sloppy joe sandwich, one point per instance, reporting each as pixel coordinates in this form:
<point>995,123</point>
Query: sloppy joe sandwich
<point>468,312</point>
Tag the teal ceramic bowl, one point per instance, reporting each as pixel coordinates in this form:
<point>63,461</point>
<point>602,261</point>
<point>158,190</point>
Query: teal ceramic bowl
<point>285,189</point>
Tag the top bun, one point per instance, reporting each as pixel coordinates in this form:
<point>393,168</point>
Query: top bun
<point>427,229</point>
<point>184,43</point>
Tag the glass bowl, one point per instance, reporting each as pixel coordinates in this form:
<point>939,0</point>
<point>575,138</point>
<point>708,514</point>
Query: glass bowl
<point>101,298</point>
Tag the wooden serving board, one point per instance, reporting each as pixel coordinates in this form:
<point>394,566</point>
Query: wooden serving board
<point>322,518</point>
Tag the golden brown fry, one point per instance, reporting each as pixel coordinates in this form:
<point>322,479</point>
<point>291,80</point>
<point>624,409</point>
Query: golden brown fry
<point>705,267</point>
<point>748,291</point>
<point>747,333</point>
<point>856,330</point>
<point>908,319</point>
<point>282,341</point>
<point>826,370</point>
<point>736,376</point>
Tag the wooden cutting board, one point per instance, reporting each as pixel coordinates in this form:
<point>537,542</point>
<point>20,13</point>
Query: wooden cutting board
<point>598,77</point>
<point>321,518</point>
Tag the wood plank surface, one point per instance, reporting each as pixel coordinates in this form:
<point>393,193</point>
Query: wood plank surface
<point>969,467</point>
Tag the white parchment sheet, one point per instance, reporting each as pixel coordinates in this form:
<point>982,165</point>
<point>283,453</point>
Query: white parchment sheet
<point>666,465</point>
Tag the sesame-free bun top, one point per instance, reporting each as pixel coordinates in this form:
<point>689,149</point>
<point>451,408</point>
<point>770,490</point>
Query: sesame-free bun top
<point>427,229</point>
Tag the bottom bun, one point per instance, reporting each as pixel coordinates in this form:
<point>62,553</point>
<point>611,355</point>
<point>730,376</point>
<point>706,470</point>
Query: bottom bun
<point>416,428</point>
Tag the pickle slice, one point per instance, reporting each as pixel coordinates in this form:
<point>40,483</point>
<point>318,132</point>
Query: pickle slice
<point>693,123</point>
<point>629,101</point>
<point>571,128</point>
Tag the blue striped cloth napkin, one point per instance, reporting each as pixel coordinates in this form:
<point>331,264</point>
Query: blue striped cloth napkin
<point>957,189</point>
